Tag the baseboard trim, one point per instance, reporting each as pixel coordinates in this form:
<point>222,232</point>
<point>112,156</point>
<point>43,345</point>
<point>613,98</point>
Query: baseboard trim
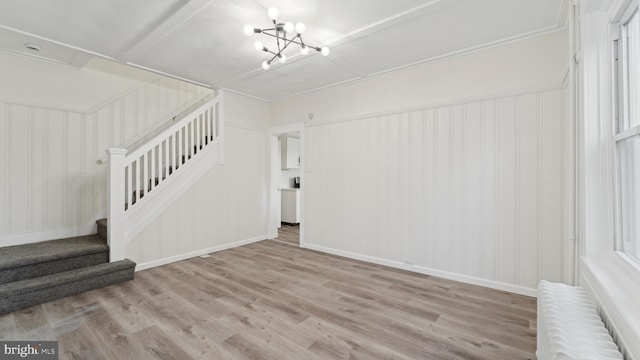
<point>517,289</point>
<point>191,254</point>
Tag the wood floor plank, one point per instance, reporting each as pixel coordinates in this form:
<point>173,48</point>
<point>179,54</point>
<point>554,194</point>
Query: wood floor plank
<point>289,234</point>
<point>69,313</point>
<point>243,348</point>
<point>256,316</point>
<point>360,328</point>
<point>7,327</point>
<point>147,282</point>
<point>126,309</point>
<point>270,300</point>
<point>159,345</point>
<point>336,342</point>
<point>174,314</point>
<point>262,334</point>
<point>470,310</point>
<point>79,344</point>
<point>32,324</point>
<point>525,342</point>
<point>114,340</point>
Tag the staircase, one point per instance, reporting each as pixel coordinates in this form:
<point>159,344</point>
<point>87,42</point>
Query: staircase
<point>150,178</point>
<point>141,185</point>
<point>32,274</point>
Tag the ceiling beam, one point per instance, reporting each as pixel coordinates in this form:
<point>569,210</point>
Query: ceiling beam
<point>157,32</point>
<point>80,59</point>
<point>429,6</point>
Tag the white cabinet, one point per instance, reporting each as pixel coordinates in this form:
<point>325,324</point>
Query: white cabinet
<point>290,153</point>
<point>290,205</point>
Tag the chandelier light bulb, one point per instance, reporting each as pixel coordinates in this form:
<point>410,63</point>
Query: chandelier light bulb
<point>273,13</point>
<point>300,28</point>
<point>248,30</point>
<point>288,27</point>
<point>285,34</point>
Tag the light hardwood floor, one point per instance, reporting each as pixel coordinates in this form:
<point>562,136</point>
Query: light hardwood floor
<point>269,300</point>
<point>289,234</point>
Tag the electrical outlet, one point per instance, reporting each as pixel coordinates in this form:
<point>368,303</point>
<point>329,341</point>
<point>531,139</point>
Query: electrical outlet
<point>408,262</point>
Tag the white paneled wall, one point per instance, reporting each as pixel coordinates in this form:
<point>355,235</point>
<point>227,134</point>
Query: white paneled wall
<point>50,182</point>
<point>471,191</point>
<point>125,117</point>
<point>226,208</point>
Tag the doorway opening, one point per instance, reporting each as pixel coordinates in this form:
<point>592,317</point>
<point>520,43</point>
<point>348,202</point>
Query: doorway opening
<point>287,184</point>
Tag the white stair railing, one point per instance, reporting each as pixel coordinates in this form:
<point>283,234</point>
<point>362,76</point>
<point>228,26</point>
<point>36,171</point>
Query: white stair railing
<point>136,177</point>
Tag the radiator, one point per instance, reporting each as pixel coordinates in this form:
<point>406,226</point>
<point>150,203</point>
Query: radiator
<point>569,326</point>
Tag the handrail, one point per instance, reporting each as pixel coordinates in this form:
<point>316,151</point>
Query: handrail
<point>173,128</point>
<point>150,165</point>
<point>172,117</point>
<point>132,176</point>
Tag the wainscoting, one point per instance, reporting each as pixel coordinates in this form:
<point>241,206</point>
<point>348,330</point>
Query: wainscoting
<point>225,208</point>
<point>471,191</point>
<point>51,184</point>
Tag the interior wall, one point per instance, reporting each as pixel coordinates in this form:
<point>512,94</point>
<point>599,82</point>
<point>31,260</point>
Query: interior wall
<point>51,184</point>
<point>227,207</point>
<point>470,190</point>
<point>528,64</point>
<point>32,82</point>
<point>452,168</point>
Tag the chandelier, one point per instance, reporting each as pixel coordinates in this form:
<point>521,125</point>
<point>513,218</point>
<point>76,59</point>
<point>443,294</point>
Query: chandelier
<point>285,33</point>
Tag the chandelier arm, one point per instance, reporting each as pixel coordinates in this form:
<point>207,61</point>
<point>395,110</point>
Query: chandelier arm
<point>287,43</point>
<point>293,40</point>
<point>282,38</point>
<point>268,34</point>
<point>277,31</point>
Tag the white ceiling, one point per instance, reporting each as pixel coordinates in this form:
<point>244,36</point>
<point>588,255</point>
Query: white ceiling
<point>202,40</point>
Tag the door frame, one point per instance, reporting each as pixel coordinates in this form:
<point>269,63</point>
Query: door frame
<point>274,178</point>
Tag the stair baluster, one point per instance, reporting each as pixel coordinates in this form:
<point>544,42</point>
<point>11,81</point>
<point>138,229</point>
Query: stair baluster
<point>144,171</point>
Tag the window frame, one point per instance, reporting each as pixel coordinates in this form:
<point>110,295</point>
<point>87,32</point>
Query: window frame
<point>621,121</point>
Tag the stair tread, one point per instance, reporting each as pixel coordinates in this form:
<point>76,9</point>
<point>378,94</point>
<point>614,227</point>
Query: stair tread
<point>51,250</point>
<point>53,280</point>
<point>25,293</point>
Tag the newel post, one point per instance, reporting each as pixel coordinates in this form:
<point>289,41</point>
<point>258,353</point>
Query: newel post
<point>115,220</point>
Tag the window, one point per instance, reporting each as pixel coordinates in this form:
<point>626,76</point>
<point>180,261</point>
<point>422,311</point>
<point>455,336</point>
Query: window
<point>627,132</point>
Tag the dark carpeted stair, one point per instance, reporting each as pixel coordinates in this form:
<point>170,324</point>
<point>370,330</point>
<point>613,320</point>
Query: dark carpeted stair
<point>32,274</point>
<point>102,228</point>
<point>33,260</point>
